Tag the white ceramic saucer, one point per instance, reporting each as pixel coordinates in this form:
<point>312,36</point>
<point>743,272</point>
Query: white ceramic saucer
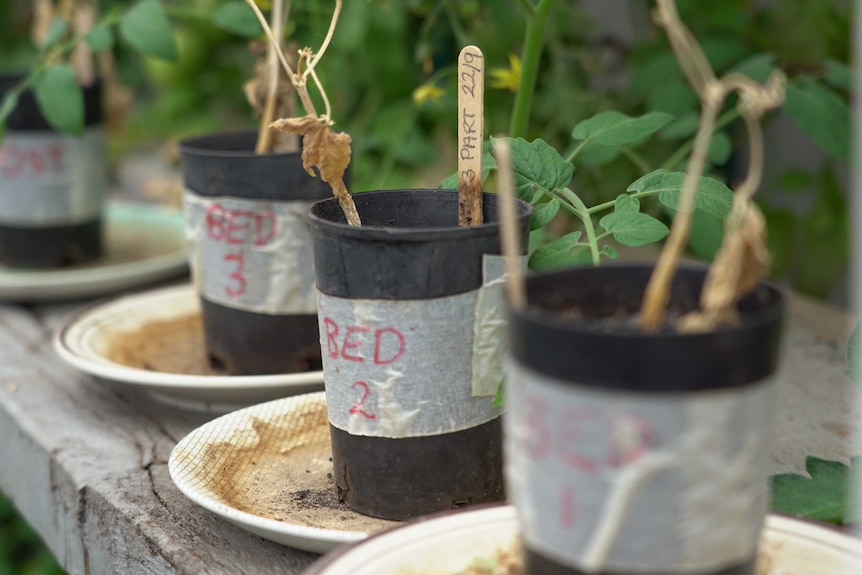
<point>449,543</point>
<point>268,469</point>
<point>85,338</point>
<point>144,243</point>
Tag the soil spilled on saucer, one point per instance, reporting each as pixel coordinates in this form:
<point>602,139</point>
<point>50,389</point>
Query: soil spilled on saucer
<point>167,346</point>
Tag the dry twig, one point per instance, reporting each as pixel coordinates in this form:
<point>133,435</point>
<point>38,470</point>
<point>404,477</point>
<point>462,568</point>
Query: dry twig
<point>742,260</point>
<point>323,148</point>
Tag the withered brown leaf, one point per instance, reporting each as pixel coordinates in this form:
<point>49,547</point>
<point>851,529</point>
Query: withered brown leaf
<point>326,150</point>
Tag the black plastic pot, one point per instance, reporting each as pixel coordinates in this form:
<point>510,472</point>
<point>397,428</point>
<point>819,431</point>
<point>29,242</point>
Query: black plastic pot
<point>52,186</point>
<point>410,433</point>
<point>595,405</point>
<point>251,326</point>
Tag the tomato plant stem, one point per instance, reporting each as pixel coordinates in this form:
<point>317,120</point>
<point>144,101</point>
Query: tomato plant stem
<point>529,68</point>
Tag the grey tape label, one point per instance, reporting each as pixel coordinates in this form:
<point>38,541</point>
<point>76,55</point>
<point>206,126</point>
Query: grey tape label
<point>636,483</point>
<point>252,255</point>
<point>408,368</point>
<point>51,178</point>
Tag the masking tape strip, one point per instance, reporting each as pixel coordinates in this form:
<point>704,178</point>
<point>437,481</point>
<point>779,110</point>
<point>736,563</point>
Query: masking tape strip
<point>409,368</point>
<point>49,178</point>
<point>252,255</point>
<point>633,483</point>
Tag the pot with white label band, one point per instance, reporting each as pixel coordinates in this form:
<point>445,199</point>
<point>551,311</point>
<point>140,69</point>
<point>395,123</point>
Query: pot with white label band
<point>628,452</point>
<point>52,185</point>
<point>412,319</point>
<point>250,253</point>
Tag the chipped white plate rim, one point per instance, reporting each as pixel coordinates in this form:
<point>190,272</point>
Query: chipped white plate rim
<point>124,221</point>
<point>74,343</point>
<point>449,542</point>
<point>315,539</point>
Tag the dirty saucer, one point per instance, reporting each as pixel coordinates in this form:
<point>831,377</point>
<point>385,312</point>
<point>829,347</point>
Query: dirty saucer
<point>268,469</point>
<point>153,341</point>
<point>144,243</point>
<point>451,542</point>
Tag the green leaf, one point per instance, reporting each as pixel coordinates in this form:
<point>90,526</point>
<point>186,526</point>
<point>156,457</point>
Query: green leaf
<point>626,203</point>
<point>854,354</point>
<point>55,32</point>
<point>826,496</point>
<point>712,196</point>
<point>10,100</point>
<point>60,98</point>
<point>821,114</point>
<point>544,213</point>
<point>612,128</point>
<point>538,167</point>
<point>720,148</point>
<point>707,233</point>
<point>610,252</point>
<point>674,98</point>
<point>237,18</point>
<point>555,254</point>
<point>500,397</point>
<point>758,67</point>
<point>100,38</point>
<point>683,127</point>
<point>839,75</point>
<point>597,155</point>
<point>146,28</point>
<point>634,229</point>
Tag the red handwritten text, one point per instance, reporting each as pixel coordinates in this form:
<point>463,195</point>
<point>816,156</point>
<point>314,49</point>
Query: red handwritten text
<point>387,346</point>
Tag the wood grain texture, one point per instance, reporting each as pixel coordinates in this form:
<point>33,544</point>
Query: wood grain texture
<point>86,461</point>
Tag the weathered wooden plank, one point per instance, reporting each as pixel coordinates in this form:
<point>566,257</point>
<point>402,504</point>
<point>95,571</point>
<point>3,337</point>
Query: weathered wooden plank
<point>87,466</point>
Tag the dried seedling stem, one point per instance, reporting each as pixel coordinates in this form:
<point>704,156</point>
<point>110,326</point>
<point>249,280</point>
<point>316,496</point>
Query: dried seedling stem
<point>323,148</point>
<point>280,10</point>
<point>741,261</point>
<point>511,241</point>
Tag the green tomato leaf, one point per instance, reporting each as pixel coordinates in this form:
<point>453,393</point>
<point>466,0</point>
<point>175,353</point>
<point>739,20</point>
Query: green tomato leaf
<point>10,100</point>
<point>839,75</point>
<point>758,67</point>
<point>544,213</point>
<point>826,496</point>
<point>707,233</point>
<point>634,229</point>
<point>683,127</point>
<point>610,252</point>
<point>538,167</point>
<point>720,148</point>
<point>100,38</point>
<point>821,114</point>
<point>500,397</point>
<point>597,155</point>
<point>626,203</point>
<point>60,98</point>
<point>712,196</point>
<point>854,354</point>
<point>237,18</point>
<point>612,128</point>
<point>146,28</point>
<point>55,32</point>
<point>674,98</point>
<point>555,254</point>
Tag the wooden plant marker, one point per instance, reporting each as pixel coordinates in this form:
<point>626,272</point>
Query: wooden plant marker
<point>509,232</point>
<point>471,120</point>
